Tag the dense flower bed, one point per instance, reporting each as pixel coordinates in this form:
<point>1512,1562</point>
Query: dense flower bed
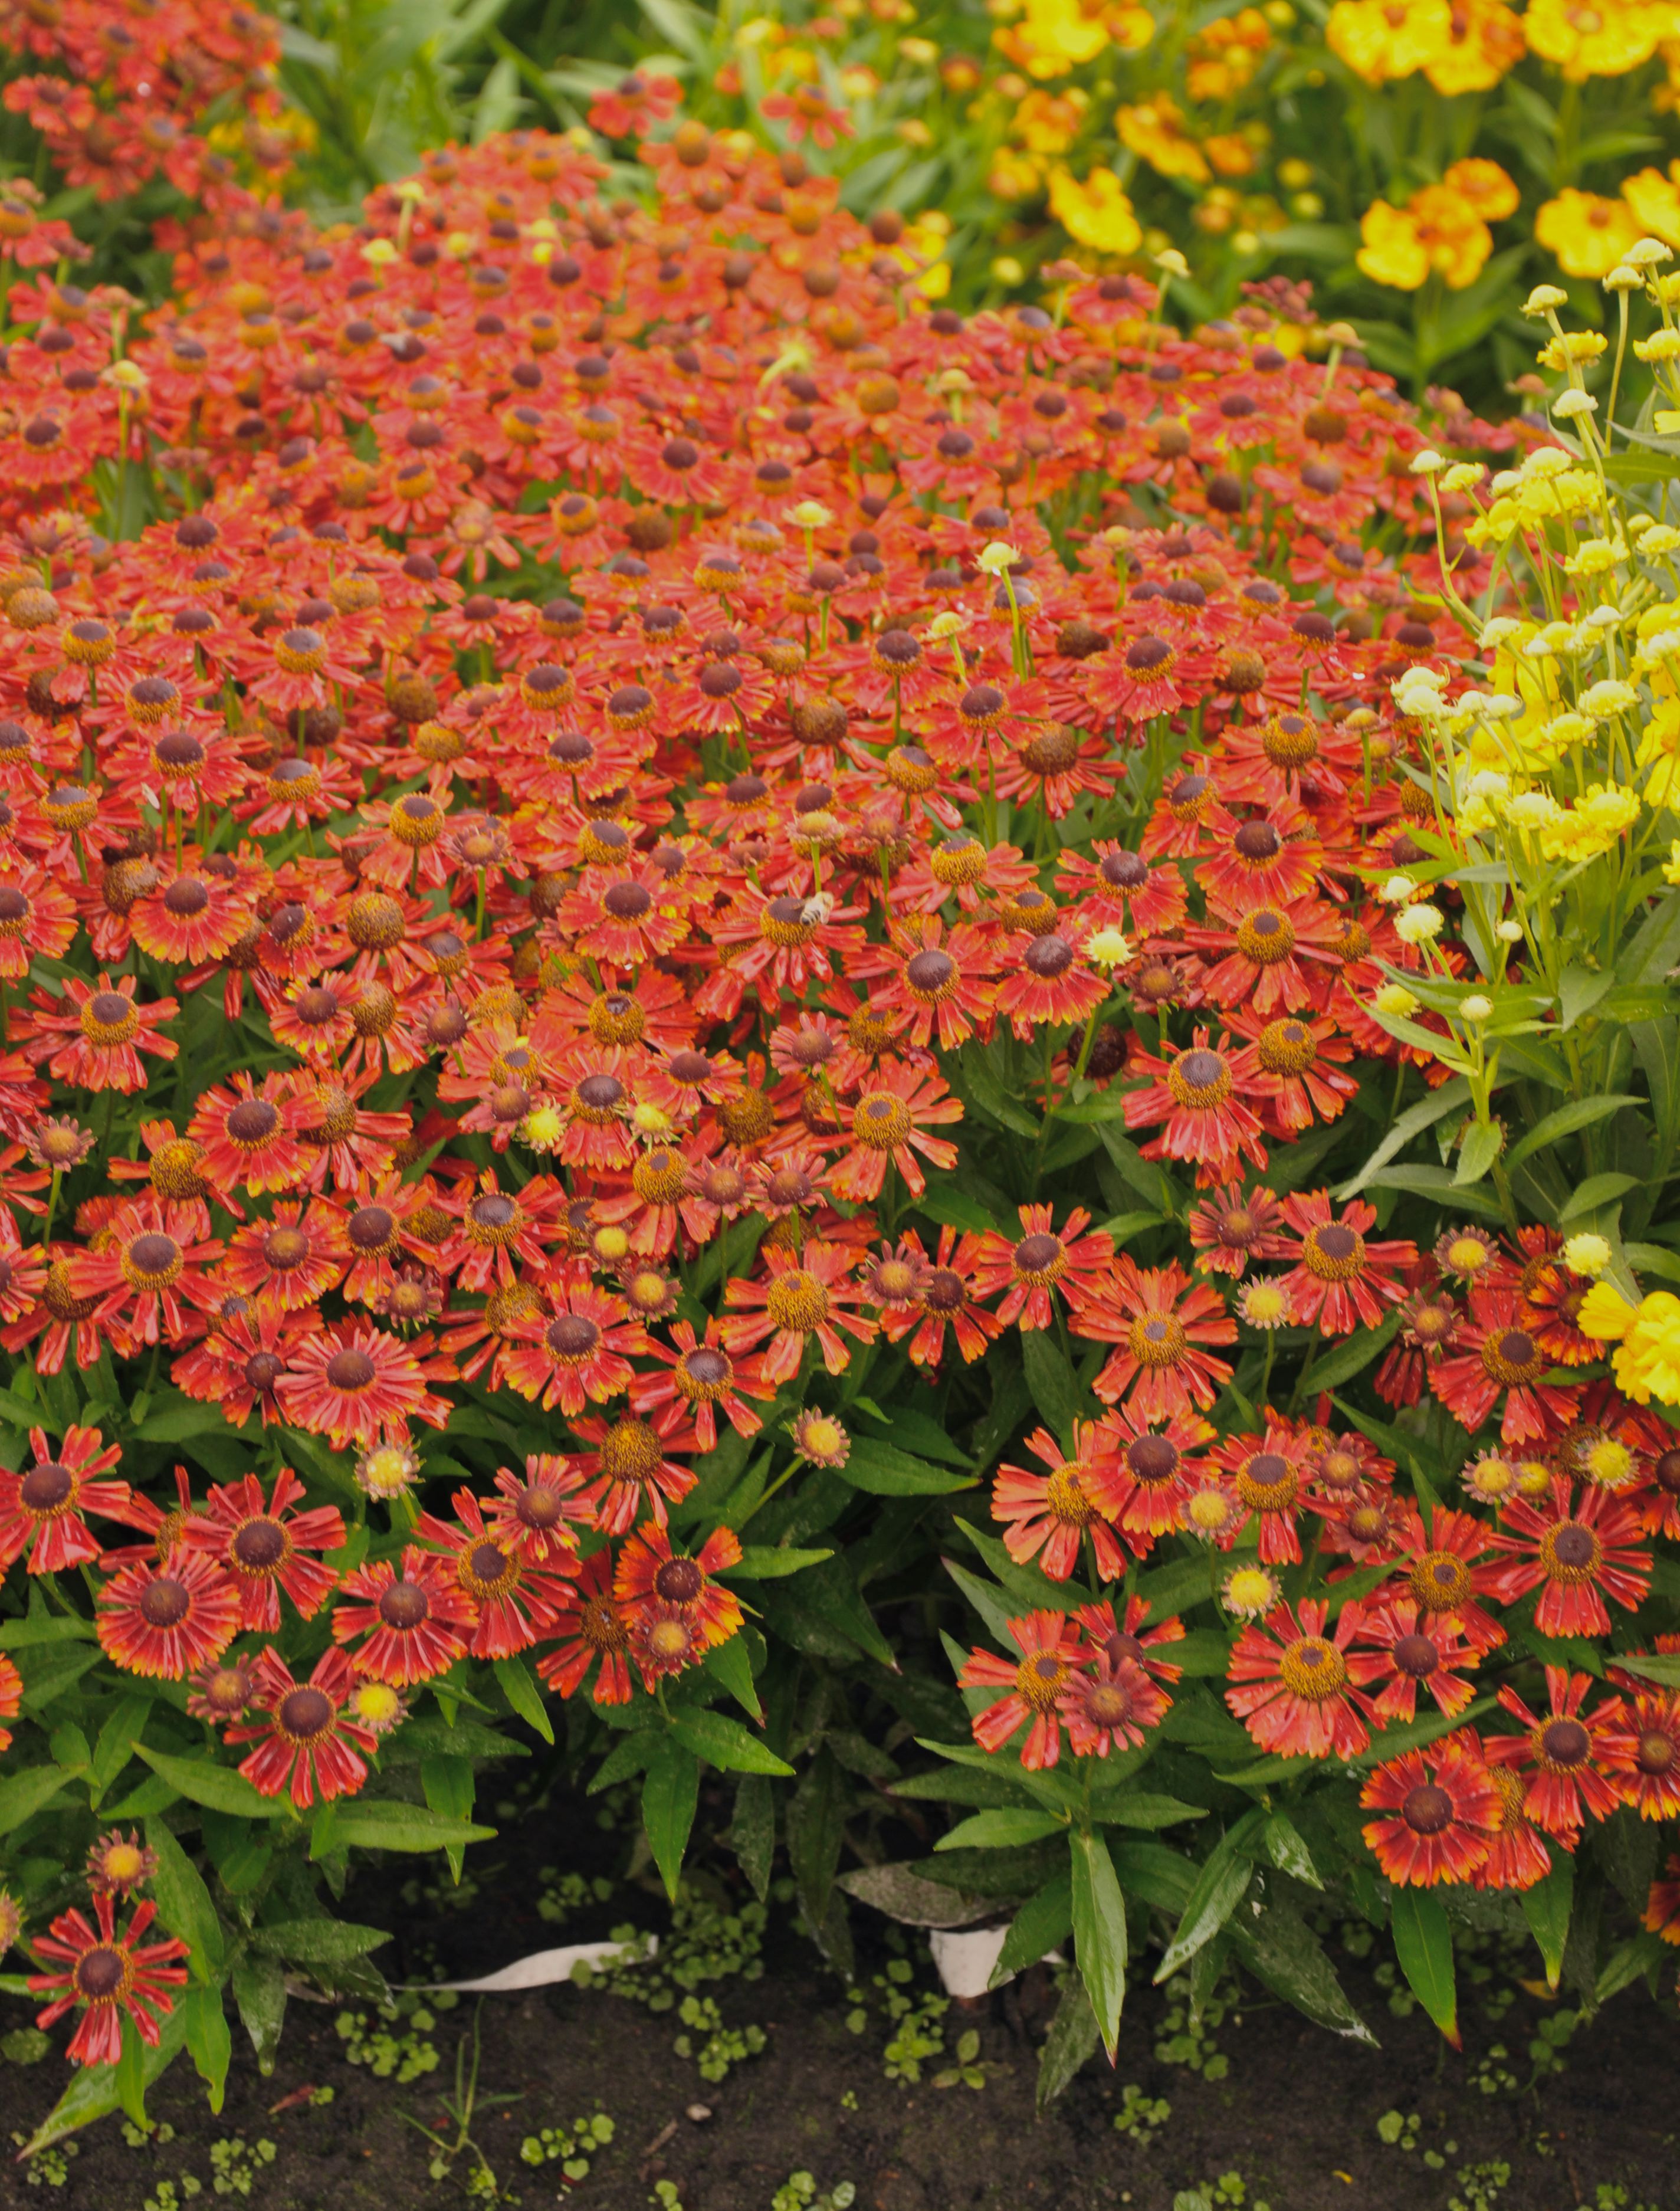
<point>683,929</point>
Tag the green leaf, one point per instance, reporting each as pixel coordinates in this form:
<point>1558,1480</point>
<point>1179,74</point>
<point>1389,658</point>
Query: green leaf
<point>375,1824</point>
<point>1423,1944</point>
<point>1660,1666</point>
<point>732,1664</point>
<point>514,1679</point>
<point>769,1562</point>
<point>430,1735</point>
<point>632,1753</point>
<point>669,1796</point>
<point>1354,1354</point>
<point>1281,1949</point>
<point>1218,1890</point>
<point>816,1827</point>
<point>1451,1096</point>
<point>986,1601</point>
<point>1287,1851</point>
<point>902,1893</point>
<point>1073,2037</point>
<point>1477,1153</point>
<point>1099,1932</point>
<point>1581,1114</point>
<point>37,1628</point>
<point>1042,1922</point>
<point>725,1742</point>
<point>884,1470</point>
<point>1598,1190</point>
<point>259,1994</point>
<point>450,1786</point>
<point>130,2072</point>
<point>22,1794</point>
<point>999,1830</point>
<point>752,1831</point>
<point>979,1080</point>
<point>1140,1809</point>
<point>1056,1392</point>
<point>92,2091</point>
<point>216,1787</point>
<point>116,1740</point>
<point>183,1904</point>
<point>209,2039</point>
<point>1437,1184</point>
<point>1547,1907</point>
<point>317,1942</point>
<point>953,1208</point>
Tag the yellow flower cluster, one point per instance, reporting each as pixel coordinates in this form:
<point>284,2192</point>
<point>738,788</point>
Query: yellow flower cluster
<point>1054,36</point>
<point>1646,1337</point>
<point>1441,229</point>
<point>1096,213</point>
<point>1465,47</point>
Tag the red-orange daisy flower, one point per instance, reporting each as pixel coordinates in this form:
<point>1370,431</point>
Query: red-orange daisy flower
<point>589,1630</point>
<point>652,1579</point>
<point>412,1623</point>
<point>310,1746</point>
<point>43,1506</point>
<point>1576,1556</point>
<point>1291,1688</point>
<point>167,1621</point>
<point>1160,1324</point>
<point>114,1977</point>
<point>1050,1646</point>
<point>810,1293</point>
<point>1441,1813</point>
<point>1560,1755</point>
<point>266,1545</point>
<point>1032,1268</point>
<point>1047,1516</point>
<point>1340,1280</point>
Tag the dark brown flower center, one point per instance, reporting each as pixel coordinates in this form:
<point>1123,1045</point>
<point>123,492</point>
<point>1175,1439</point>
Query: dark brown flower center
<point>1565,1742</point>
<point>164,1604</point>
<point>404,1605</point>
<point>679,1581</point>
<point>1427,1810</point>
<point>259,1545</point>
<point>45,1486</point>
<point>350,1369</point>
<point>304,1713</point>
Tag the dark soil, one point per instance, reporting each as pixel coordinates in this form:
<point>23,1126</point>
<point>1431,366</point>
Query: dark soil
<point>1296,2115</point>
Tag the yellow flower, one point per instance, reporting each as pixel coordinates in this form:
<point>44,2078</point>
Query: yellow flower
<point>1155,131</point>
<point>1224,57</point>
<point>1655,201</point>
<point>1489,190</point>
<point>1659,751</point>
<point>1097,213</point>
<point>1055,36</point>
<point>1438,229</point>
<point>1231,154</point>
<point>1485,40</point>
<point>1647,1358</point>
<point>1391,250</point>
<point>925,241</point>
<point>1380,39</point>
<point>1592,38</point>
<point>1011,176</point>
<point>1572,347</point>
<point>1588,233</point>
<point>1592,825</point>
<point>1048,123</point>
<point>1605,1314</point>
